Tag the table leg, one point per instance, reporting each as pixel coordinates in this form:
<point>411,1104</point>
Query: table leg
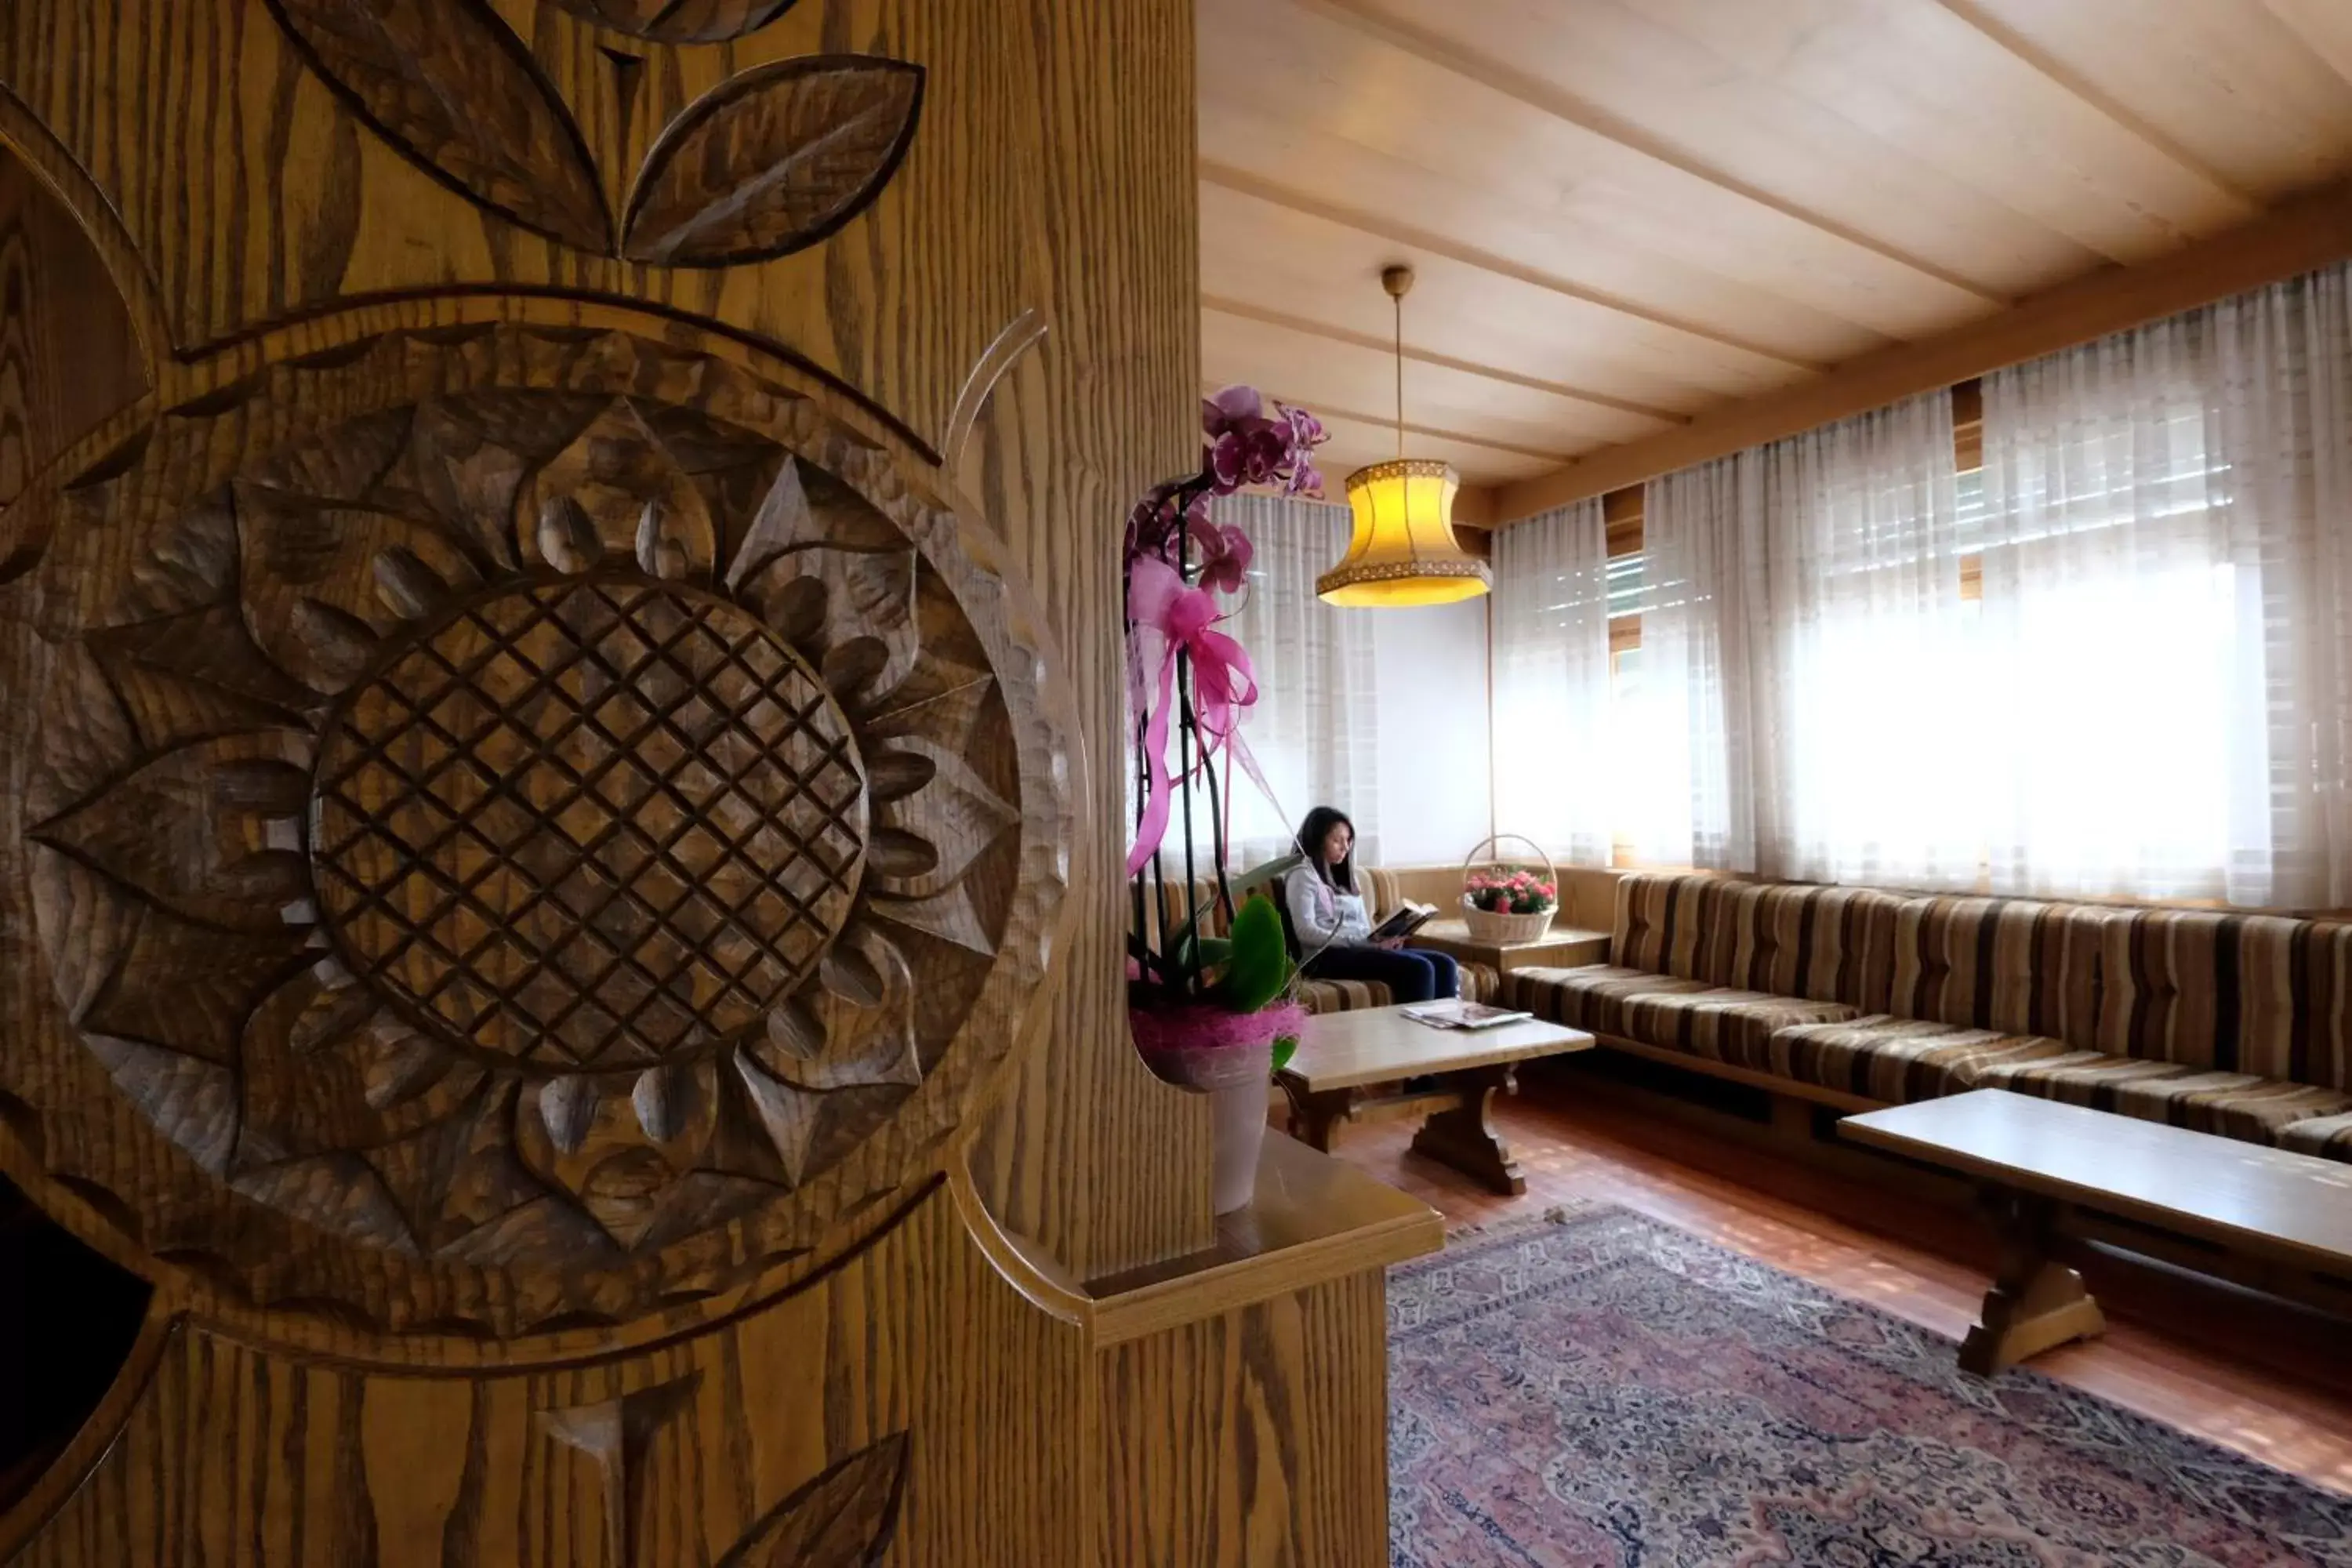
<point>1315,1118</point>
<point>1464,1138</point>
<point>2035,1303</point>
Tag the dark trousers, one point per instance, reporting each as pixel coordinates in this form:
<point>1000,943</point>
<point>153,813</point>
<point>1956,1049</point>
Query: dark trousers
<point>1409,973</point>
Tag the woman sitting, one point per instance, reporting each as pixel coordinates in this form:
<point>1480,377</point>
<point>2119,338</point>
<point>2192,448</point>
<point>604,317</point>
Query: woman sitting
<point>1333,927</point>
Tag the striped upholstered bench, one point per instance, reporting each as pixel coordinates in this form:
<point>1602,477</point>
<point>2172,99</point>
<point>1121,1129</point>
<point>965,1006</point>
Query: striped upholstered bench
<point>1480,983</point>
<point>2233,1025</point>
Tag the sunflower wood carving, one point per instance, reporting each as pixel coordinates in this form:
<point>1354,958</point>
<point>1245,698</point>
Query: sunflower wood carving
<point>540,824</point>
<point>767,162</point>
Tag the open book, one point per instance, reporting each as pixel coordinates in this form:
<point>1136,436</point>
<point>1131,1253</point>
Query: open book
<point>1404,921</point>
<point>1454,1013</point>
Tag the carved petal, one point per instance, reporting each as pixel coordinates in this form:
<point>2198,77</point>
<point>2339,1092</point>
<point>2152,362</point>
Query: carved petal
<point>843,1519</point>
<point>612,471</point>
<point>866,1002</point>
<point>680,21</point>
<point>456,92</point>
<point>773,160</point>
<point>956,815</point>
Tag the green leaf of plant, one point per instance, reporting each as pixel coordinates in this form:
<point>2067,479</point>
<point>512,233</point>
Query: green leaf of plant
<point>1259,964</point>
<point>1283,1049</point>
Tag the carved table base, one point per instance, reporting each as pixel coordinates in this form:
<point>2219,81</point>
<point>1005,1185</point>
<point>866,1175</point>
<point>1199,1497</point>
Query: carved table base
<point>1457,1131</point>
<point>2035,1303</point>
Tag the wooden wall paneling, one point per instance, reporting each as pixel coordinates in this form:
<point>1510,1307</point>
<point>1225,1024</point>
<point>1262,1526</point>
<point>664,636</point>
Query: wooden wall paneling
<point>912,1407</point>
<point>69,356</point>
<point>1081,1155</point>
<point>1205,1463</point>
<point>2314,231</point>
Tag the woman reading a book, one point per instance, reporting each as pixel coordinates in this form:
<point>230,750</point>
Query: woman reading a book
<point>1333,926</point>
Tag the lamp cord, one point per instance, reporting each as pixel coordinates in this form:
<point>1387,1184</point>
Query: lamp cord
<point>1397,300</point>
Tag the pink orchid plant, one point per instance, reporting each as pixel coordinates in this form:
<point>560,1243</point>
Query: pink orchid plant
<point>1189,686</point>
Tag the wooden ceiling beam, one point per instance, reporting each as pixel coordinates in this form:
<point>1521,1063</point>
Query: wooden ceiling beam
<point>1227,177</point>
<point>1374,20</point>
<point>2083,90</point>
<point>2312,231</point>
<point>1388,422</point>
<point>1243,310</point>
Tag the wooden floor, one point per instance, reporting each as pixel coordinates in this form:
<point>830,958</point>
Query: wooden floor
<point>2265,1380</point>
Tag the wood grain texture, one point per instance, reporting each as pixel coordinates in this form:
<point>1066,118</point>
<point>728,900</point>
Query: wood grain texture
<point>69,354</point>
<point>1205,1464</point>
<point>736,1446</point>
<point>1079,1157</point>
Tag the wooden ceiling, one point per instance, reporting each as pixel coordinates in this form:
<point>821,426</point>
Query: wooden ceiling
<point>1630,215</point>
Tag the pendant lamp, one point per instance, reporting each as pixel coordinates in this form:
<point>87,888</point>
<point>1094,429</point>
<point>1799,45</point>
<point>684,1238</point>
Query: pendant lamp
<point>1404,550</point>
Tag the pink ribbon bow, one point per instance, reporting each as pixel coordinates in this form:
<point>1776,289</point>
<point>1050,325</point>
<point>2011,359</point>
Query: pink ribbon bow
<point>1169,615</point>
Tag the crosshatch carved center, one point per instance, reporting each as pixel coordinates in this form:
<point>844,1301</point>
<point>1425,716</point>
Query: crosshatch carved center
<point>589,824</point>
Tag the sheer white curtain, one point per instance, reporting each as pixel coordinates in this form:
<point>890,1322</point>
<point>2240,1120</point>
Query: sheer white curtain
<point>2165,577</point>
<point>2122,643</point>
<point>1555,756</point>
<point>1315,729</point>
<point>2281,374</point>
<point>1803,659</point>
<point>1864,770</point>
<point>1688,733</point>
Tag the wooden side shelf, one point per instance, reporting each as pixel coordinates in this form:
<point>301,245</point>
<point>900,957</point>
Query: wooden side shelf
<point>1314,1219</point>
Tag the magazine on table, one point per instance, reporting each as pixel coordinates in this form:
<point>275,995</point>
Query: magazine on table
<point>1404,921</point>
<point>1456,1013</point>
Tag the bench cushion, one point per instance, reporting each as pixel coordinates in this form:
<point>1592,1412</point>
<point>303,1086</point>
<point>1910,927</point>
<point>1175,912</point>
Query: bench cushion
<point>1722,1023</point>
<point>2329,1136</point>
<point>2232,1105</point>
<point>1480,983</point>
<point>1895,1060</point>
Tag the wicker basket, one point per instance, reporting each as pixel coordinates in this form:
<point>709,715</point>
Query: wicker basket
<point>1502,928</point>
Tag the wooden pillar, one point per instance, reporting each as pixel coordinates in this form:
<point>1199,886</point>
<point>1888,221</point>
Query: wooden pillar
<point>558,868</point>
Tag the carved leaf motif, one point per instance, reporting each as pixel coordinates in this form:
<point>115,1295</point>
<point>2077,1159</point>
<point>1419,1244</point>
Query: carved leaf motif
<point>843,1519</point>
<point>680,21</point>
<point>170,831</point>
<point>773,160</point>
<point>455,92</point>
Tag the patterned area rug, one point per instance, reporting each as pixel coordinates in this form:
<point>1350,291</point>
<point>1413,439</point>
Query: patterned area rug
<point>1598,1388</point>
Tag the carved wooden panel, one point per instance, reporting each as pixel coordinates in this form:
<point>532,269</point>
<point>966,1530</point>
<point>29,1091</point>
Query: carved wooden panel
<point>909,1406</point>
<point>541,824</point>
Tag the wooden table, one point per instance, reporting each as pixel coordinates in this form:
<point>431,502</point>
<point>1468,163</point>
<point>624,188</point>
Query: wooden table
<point>2036,1160</point>
<point>1561,947</point>
<point>1353,1066</point>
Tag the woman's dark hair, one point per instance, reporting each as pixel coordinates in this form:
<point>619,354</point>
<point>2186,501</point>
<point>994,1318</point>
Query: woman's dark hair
<point>1313,831</point>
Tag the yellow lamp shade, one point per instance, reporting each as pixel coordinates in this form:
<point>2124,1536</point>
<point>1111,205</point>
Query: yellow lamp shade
<point>1404,550</point>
